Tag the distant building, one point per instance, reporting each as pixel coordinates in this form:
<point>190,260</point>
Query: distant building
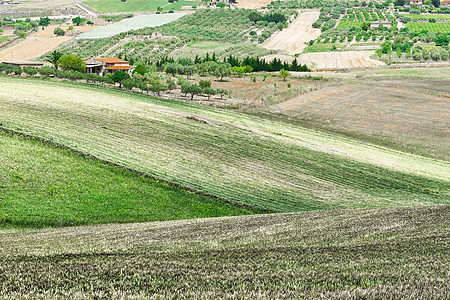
<point>99,21</point>
<point>23,64</point>
<point>107,65</point>
<point>416,2</point>
<point>445,3</point>
<point>157,35</point>
<point>380,24</point>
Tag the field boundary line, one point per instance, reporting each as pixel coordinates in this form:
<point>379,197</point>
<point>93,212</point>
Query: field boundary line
<point>87,155</point>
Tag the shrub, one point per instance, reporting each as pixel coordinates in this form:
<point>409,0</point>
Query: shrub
<point>434,53</point>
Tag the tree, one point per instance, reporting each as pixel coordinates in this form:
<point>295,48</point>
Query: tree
<point>78,21</point>
<point>172,69</point>
<point>222,92</point>
<point>140,69</point>
<point>30,71</point>
<point>204,84</point>
<point>44,21</point>
<point>71,62</point>
<point>284,73</point>
<point>194,90</point>
<point>441,40</point>
<point>47,71</point>
<point>436,3</point>
<point>157,88</point>
<point>222,70</point>
<point>209,91</point>
<point>239,70</point>
<point>59,31</point>
<point>170,83</point>
<point>118,76</point>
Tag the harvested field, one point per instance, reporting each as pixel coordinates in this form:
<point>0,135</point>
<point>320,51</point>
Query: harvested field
<point>251,4</point>
<point>407,114</point>
<point>40,4</point>
<point>38,44</point>
<point>219,152</point>
<point>292,39</point>
<point>340,60</point>
<point>388,253</point>
<point>31,48</point>
<point>46,186</point>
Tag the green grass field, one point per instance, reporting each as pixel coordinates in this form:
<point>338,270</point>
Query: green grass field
<point>433,27</point>
<point>113,6</point>
<point>387,253</point>
<point>244,159</point>
<point>45,186</point>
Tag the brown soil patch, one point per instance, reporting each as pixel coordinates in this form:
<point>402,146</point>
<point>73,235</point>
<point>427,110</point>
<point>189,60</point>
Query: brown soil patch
<point>413,118</point>
<point>252,4</point>
<point>340,60</point>
<point>292,39</point>
<point>38,43</point>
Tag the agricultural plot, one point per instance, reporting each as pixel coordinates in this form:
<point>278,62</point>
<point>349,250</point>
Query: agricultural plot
<point>433,27</point>
<point>427,17</point>
<point>398,253</point>
<point>251,4</point>
<point>45,186</point>
<point>340,60</point>
<point>134,23</point>
<point>292,39</point>
<point>221,154</point>
<point>406,114</point>
<point>112,6</point>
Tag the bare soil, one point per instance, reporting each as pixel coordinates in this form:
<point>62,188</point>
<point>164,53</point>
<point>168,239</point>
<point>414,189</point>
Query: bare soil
<point>409,114</point>
<point>292,39</point>
<point>252,4</point>
<point>340,60</point>
<point>39,43</point>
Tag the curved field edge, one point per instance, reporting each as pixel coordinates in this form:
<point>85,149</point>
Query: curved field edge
<point>244,159</point>
<point>340,254</point>
<point>42,185</point>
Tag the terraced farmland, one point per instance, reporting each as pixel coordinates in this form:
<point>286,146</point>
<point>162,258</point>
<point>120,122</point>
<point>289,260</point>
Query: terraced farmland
<point>240,158</point>
<point>395,253</point>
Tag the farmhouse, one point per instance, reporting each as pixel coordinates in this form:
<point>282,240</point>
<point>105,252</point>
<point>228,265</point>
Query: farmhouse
<point>445,3</point>
<point>416,2</point>
<point>22,64</point>
<point>379,24</point>
<point>107,65</point>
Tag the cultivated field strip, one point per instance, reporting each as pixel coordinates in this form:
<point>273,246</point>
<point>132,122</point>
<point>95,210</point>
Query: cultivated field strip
<point>396,253</point>
<point>233,156</point>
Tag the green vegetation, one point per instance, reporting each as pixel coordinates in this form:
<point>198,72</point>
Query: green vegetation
<point>433,27</point>
<point>395,253</point>
<point>427,17</point>
<point>114,6</point>
<point>219,152</point>
<point>45,186</point>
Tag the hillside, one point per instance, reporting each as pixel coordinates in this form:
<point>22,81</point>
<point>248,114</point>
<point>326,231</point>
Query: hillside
<point>45,186</point>
<point>244,159</point>
<point>395,253</point>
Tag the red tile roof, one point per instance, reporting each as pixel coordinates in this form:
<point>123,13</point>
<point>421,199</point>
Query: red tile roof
<point>119,67</point>
<point>112,60</point>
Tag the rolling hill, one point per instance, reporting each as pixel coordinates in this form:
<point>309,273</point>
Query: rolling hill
<point>244,159</point>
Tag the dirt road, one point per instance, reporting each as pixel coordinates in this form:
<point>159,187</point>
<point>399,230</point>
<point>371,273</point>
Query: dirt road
<point>340,60</point>
<point>292,39</point>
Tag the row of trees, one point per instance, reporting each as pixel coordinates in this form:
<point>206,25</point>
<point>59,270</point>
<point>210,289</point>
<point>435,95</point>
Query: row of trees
<point>211,65</point>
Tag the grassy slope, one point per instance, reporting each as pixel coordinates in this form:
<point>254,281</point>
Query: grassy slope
<point>241,158</point>
<point>113,6</point>
<point>45,186</point>
<point>395,253</point>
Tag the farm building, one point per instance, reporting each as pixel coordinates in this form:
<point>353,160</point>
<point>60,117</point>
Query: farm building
<point>23,64</point>
<point>107,65</point>
<point>445,3</point>
<point>379,24</point>
<point>416,2</point>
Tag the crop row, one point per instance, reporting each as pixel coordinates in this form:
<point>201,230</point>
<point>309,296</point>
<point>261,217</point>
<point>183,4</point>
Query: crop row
<point>433,27</point>
<point>223,157</point>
